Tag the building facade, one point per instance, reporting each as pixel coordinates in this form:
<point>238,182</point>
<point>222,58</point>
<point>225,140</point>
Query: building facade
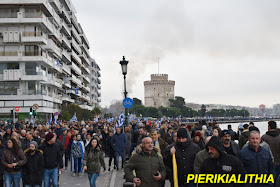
<point>158,91</point>
<point>95,84</point>
<point>44,58</point>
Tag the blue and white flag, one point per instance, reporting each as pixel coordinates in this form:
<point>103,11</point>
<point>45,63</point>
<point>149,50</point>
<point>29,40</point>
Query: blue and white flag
<point>132,117</point>
<point>74,119</point>
<point>96,119</point>
<point>120,120</point>
<point>55,121</point>
<point>50,121</point>
<point>58,64</point>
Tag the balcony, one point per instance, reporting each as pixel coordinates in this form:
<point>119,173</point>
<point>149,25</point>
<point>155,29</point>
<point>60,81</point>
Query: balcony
<point>66,42</point>
<point>66,83</point>
<point>28,18</point>
<point>76,58</point>
<point>76,68</point>
<point>51,46</point>
<point>65,56</point>
<point>31,74</point>
<point>86,88</point>
<point>9,56</point>
<point>65,13</point>
<point>86,107</point>
<point>84,58</point>
<point>85,69</point>
<point>56,4</point>
<point>76,46</point>
<point>84,48</point>
<point>10,75</point>
<point>76,35</point>
<point>67,98</point>
<point>65,27</point>
<point>84,38</point>
<point>34,37</point>
<point>86,79</point>
<point>76,80</point>
<point>98,81</point>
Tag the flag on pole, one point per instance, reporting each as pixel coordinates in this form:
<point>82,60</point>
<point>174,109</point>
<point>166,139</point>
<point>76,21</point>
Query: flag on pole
<point>58,64</point>
<point>120,120</point>
<point>74,119</point>
<point>175,171</point>
<point>49,122</point>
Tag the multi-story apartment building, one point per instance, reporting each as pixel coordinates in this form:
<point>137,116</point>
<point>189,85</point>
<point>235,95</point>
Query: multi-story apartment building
<point>44,58</point>
<point>95,83</point>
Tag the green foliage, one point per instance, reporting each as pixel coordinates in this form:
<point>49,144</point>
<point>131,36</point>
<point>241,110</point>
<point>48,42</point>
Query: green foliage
<point>96,111</point>
<point>137,101</point>
<point>108,115</point>
<point>64,115</point>
<point>86,115</point>
<point>151,112</point>
<point>227,113</point>
<point>188,112</point>
<point>202,111</point>
<point>73,109</point>
<point>178,102</point>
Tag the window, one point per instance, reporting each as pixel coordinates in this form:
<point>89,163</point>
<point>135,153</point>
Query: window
<point>31,50</point>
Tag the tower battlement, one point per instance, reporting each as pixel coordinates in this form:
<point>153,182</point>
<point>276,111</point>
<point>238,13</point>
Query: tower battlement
<point>159,90</point>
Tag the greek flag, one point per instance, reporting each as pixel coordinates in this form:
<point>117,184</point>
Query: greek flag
<point>120,120</point>
<point>55,121</point>
<point>58,64</point>
<point>74,119</point>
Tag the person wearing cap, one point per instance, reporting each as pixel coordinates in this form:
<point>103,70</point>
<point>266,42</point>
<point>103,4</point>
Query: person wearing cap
<point>230,146</point>
<point>32,171</point>
<point>219,162</point>
<point>185,151</point>
<point>52,160</point>
<point>197,139</point>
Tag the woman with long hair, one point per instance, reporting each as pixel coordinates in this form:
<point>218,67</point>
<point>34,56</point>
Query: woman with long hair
<point>93,160</point>
<point>12,160</point>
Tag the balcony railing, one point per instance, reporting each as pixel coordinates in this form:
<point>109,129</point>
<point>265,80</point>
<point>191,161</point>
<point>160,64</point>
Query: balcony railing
<point>8,91</point>
<point>34,34</point>
<point>8,53</point>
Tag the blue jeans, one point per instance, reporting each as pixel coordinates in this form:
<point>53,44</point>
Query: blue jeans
<point>8,178</point>
<point>117,154</point>
<point>77,165</point>
<point>32,185</point>
<point>92,178</point>
<point>53,174</point>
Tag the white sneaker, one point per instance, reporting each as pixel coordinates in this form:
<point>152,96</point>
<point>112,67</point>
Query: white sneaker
<point>74,175</point>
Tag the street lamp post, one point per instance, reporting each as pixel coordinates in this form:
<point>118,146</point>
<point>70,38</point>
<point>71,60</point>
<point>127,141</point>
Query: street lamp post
<point>124,72</point>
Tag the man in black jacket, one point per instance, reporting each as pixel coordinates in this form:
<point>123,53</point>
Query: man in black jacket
<point>185,151</point>
<point>32,171</point>
<point>52,160</point>
<point>220,163</point>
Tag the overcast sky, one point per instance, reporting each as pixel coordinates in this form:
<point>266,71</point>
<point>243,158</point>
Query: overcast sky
<point>223,52</point>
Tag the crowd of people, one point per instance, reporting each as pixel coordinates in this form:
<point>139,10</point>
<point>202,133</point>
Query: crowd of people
<point>36,154</point>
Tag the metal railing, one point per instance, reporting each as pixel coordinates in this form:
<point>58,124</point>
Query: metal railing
<point>34,34</point>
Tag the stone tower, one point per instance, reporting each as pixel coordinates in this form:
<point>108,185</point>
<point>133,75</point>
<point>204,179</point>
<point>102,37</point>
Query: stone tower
<point>158,91</point>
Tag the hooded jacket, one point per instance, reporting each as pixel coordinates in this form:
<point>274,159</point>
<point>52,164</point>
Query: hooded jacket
<point>185,156</point>
<point>145,167</point>
<point>224,164</point>
<point>272,137</point>
<point>94,159</point>
<point>32,171</point>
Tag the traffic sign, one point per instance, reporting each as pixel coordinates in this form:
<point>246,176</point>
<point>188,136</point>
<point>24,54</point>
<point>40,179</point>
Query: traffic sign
<point>35,107</point>
<point>56,114</point>
<point>17,108</point>
<point>127,102</point>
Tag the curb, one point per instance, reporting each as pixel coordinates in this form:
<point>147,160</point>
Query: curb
<point>113,179</point>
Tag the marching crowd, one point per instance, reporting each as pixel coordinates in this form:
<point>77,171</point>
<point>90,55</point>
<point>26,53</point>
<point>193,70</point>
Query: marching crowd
<point>36,154</point>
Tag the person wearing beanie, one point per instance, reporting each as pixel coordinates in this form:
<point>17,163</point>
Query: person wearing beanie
<point>185,151</point>
<point>219,162</point>
<point>230,146</point>
<point>52,160</point>
<point>32,171</point>
<point>197,139</point>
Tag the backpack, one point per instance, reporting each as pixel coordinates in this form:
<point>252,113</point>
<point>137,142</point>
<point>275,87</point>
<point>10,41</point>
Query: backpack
<point>76,150</point>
